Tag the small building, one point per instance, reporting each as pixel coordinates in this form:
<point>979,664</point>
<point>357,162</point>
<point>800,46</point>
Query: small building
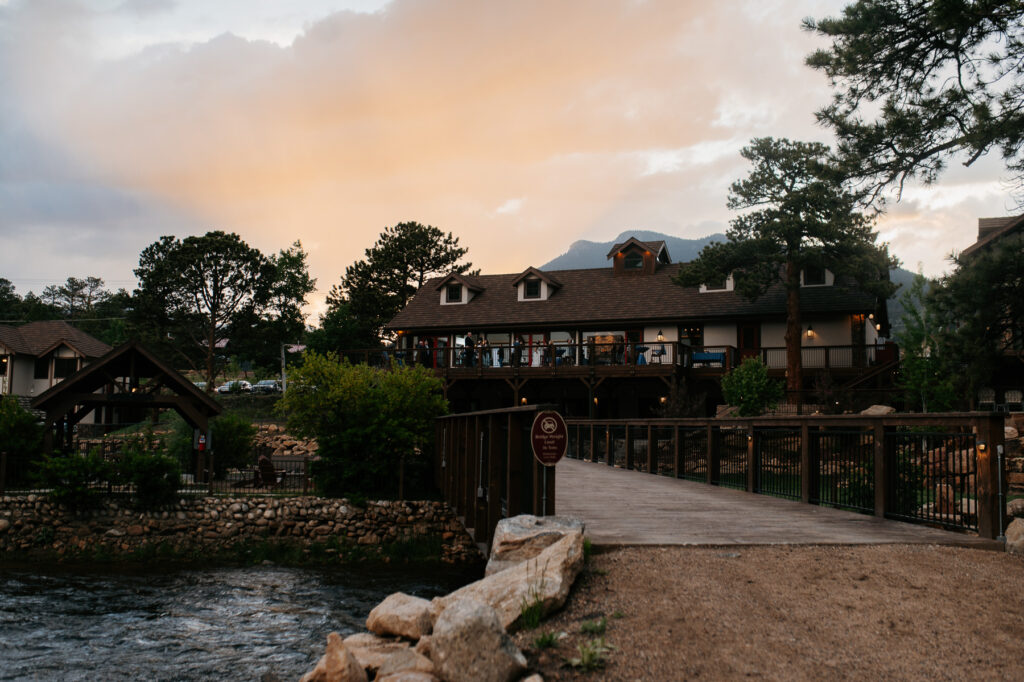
<point>38,355</point>
<point>618,341</point>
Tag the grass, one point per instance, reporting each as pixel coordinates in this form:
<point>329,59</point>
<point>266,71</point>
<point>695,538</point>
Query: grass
<point>546,640</point>
<point>531,609</point>
<point>592,655</point>
<point>594,627</point>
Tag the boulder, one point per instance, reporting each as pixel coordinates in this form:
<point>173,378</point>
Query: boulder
<point>371,651</point>
<point>470,644</point>
<point>878,411</point>
<point>524,537</point>
<point>545,579</point>
<point>405,660</point>
<point>1015,507</point>
<point>4,525</point>
<point>1015,537</point>
<point>1009,433</point>
<point>408,676</point>
<point>337,664</point>
<point>402,615</point>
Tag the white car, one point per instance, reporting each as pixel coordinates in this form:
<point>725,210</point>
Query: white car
<point>239,386</point>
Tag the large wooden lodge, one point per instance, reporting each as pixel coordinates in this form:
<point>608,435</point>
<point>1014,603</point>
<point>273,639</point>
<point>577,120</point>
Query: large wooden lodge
<point>622,341</point>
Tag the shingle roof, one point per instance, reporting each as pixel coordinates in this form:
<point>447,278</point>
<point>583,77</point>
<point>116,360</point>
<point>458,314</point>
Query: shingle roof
<point>596,296</point>
<point>36,338</point>
<point>654,247</point>
<point>991,230</point>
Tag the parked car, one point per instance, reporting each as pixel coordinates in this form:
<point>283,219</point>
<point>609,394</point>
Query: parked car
<point>201,385</point>
<point>239,386</point>
<point>267,386</point>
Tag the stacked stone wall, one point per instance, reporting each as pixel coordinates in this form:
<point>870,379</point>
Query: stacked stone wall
<point>210,525</point>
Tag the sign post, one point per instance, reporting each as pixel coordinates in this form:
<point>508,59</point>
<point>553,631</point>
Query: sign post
<point>549,439</point>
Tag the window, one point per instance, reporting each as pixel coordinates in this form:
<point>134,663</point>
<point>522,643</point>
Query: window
<point>633,261</point>
<point>453,293</point>
<point>64,367</point>
<point>42,370</point>
<point>814,276</point>
<point>531,288</point>
<point>716,285</point>
<point>692,335</point>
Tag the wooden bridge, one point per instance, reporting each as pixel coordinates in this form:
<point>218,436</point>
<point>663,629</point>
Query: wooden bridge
<point>913,478</point>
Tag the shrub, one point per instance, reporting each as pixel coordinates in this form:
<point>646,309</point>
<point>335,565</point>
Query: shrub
<point>21,435</point>
<point>154,476</point>
<point>231,437</point>
<point>369,423</point>
<point>749,388</point>
<point>73,479</point>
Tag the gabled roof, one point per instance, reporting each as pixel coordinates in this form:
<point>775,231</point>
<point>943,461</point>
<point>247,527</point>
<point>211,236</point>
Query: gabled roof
<point>539,274</point>
<point>39,338</point>
<point>461,279</point>
<point>658,248</point>
<point>991,230</point>
<point>596,297</point>
<point>127,360</point>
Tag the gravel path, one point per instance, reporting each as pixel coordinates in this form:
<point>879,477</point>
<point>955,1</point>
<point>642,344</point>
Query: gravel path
<point>907,612</point>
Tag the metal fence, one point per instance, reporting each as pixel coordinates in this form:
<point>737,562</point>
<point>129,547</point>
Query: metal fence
<point>941,469</point>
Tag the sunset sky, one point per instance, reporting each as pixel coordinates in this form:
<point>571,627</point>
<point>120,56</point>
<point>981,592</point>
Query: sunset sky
<point>518,126</point>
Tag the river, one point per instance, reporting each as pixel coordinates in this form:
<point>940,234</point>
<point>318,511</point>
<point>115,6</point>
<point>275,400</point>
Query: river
<point>211,624</point>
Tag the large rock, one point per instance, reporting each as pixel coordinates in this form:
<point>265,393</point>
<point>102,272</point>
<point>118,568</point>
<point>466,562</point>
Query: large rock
<point>1015,537</point>
<point>408,676</point>
<point>1015,507</point>
<point>524,537</point>
<point>1009,433</point>
<point>371,651</point>
<point>337,665</point>
<point>4,525</point>
<point>878,411</point>
<point>470,644</point>
<point>403,661</point>
<point>402,615</point>
<point>545,579</point>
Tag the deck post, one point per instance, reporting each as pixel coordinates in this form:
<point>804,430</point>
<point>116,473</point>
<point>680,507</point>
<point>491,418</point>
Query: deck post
<point>592,444</point>
<point>629,448</point>
<point>676,464</point>
<point>514,466</point>
<point>609,456</point>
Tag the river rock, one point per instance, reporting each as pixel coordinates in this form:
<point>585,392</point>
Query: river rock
<point>470,644</point>
<point>545,579</point>
<point>524,537</point>
<point>407,676</point>
<point>371,651</point>
<point>1014,537</point>
<point>402,615</point>
<point>878,411</point>
<point>4,525</point>
<point>1015,507</point>
<point>405,660</point>
<point>337,664</point>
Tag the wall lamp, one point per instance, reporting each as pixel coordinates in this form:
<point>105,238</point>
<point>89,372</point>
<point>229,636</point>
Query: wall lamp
<point>810,331</point>
<point>661,337</point>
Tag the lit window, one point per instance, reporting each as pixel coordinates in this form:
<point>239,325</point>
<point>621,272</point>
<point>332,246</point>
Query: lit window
<point>531,288</point>
<point>454,293</point>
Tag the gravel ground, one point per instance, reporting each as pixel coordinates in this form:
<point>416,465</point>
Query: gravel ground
<point>906,612</point>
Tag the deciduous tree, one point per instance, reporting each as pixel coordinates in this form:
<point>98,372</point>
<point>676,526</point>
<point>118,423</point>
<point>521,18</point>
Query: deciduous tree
<point>798,217</point>
<point>918,82</point>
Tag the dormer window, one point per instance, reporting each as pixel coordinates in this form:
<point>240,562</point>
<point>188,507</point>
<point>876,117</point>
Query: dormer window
<point>814,276</point>
<point>716,285</point>
<point>453,293</point>
<point>634,260</point>
<point>534,285</point>
<point>531,288</point>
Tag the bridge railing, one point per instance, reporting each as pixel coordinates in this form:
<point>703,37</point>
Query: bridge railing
<point>941,469</point>
<point>485,468</point>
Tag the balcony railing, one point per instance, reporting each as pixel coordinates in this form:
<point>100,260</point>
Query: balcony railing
<point>648,354</point>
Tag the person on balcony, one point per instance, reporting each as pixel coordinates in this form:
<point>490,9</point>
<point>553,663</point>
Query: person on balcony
<point>470,349</point>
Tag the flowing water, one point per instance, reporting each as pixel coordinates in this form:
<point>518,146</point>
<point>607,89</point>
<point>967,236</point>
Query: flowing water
<point>212,624</point>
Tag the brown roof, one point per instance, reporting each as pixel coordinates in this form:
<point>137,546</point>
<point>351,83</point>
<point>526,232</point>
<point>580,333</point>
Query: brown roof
<point>596,297</point>
<point>654,247</point>
<point>38,338</point>
<point>992,229</point>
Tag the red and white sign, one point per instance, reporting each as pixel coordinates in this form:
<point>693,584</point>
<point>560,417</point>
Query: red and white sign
<point>549,438</point>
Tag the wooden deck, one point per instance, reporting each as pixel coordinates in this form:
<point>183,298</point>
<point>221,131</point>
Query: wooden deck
<point>622,507</point>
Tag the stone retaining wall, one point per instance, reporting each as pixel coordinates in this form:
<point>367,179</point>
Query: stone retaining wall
<point>211,525</point>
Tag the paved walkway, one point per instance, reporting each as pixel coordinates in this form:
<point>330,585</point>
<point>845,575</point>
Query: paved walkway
<point>623,507</point>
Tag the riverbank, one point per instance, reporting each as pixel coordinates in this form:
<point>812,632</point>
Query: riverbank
<point>791,613</point>
<point>289,530</point>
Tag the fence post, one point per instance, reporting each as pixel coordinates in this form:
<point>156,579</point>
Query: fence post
<point>209,459</point>
<point>752,464</point>
<point>675,451</point>
<point>712,456</point>
<point>652,461</point>
<point>593,447</point>
<point>881,470</point>
<point>805,462</point>
<point>608,454</point>
<point>629,449</point>
<point>988,445</point>
<point>514,466</point>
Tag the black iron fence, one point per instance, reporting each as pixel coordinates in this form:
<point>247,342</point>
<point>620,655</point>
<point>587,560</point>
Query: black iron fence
<point>940,469</point>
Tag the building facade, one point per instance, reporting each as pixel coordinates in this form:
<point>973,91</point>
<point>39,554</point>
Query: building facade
<point>39,355</point>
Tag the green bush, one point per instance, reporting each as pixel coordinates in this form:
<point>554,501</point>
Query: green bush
<point>231,438</point>
<point>749,388</point>
<point>154,475</point>
<point>21,435</point>
<point>373,426</point>
<point>74,480</point>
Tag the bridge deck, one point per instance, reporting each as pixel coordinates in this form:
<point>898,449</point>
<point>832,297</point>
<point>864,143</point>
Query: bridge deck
<point>623,507</point>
